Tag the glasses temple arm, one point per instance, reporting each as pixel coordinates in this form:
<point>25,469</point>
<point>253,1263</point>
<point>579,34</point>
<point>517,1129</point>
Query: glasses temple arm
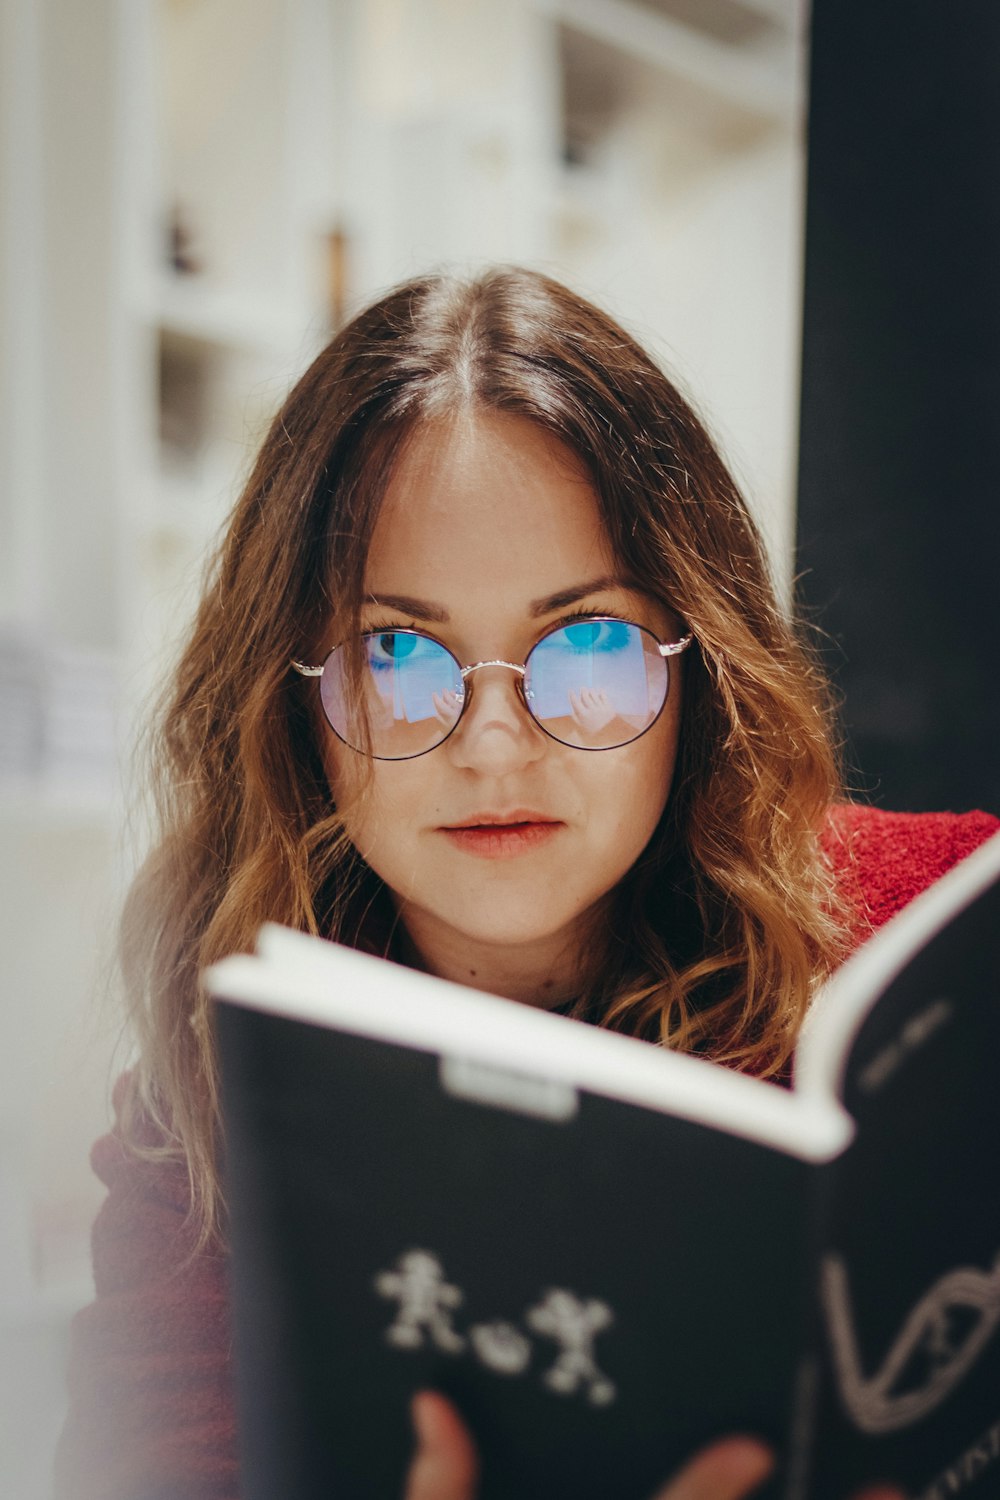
<point>674,648</point>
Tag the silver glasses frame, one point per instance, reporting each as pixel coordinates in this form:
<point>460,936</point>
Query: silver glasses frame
<point>665,648</point>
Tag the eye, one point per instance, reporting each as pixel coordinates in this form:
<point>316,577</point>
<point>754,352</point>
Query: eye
<point>394,645</point>
<point>386,650</point>
<point>597,635</point>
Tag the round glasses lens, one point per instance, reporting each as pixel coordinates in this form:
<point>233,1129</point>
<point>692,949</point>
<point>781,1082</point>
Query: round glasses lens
<point>596,684</point>
<point>406,699</point>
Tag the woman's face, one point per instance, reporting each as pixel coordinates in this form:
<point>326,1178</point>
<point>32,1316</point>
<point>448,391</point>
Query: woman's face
<point>486,521</point>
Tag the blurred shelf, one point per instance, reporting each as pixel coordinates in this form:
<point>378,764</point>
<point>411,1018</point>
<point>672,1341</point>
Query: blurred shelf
<point>229,319</point>
<point>757,81</point>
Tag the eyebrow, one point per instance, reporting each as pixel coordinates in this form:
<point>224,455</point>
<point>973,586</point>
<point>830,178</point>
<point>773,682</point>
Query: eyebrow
<point>423,609</point>
<point>566,597</point>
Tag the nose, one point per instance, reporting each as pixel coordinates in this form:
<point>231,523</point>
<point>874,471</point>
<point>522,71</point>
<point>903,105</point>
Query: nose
<point>496,733</point>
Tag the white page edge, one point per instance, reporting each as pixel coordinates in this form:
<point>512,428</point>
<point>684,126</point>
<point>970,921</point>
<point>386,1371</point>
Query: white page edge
<point>308,978</point>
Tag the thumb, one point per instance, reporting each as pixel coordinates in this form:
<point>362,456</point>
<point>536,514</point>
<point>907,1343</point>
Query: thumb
<point>445,1465</point>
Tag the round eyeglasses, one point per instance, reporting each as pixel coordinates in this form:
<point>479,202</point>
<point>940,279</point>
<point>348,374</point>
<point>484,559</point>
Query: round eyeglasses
<point>595,684</point>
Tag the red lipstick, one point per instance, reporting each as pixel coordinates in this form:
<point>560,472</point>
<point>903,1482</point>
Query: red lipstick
<point>501,835</point>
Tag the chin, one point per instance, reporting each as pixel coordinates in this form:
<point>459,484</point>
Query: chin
<point>513,926</point>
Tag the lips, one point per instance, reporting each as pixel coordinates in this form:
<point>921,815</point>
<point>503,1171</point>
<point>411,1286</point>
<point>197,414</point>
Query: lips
<point>519,816</point>
<point>503,835</point>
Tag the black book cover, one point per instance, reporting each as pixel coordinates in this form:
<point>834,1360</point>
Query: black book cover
<point>607,1254</point>
<point>909,1275</point>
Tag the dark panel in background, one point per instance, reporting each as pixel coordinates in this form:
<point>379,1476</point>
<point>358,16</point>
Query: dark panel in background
<point>899,508</point>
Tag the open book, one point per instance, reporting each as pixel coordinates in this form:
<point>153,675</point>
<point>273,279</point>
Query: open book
<point>608,1254</point>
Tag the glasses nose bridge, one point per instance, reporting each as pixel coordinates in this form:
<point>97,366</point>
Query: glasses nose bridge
<point>517,668</point>
<point>478,666</point>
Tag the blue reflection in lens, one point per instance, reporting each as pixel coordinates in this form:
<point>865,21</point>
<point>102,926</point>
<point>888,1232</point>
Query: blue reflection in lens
<point>593,635</point>
<point>393,646</point>
<point>398,646</point>
<point>600,656</point>
<point>409,669</point>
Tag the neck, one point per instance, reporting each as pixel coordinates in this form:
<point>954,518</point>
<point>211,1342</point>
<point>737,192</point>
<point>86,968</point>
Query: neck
<point>545,973</point>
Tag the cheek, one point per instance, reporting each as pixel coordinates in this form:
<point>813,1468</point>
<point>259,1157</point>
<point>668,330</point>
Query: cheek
<point>639,787</point>
<point>377,803</point>
<point>641,793</point>
<point>353,787</point>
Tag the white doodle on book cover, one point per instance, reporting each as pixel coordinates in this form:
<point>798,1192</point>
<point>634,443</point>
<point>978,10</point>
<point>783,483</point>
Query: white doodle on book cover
<point>875,1402</point>
<point>426,1304</point>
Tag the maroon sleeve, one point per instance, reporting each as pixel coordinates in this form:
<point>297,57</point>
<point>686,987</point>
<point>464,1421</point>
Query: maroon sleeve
<point>883,859</point>
<point>151,1413</point>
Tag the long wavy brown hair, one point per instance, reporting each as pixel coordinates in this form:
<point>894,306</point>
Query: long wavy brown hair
<point>718,933</point>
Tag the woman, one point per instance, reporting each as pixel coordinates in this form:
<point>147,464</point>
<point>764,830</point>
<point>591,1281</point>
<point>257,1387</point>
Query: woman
<point>375,733</point>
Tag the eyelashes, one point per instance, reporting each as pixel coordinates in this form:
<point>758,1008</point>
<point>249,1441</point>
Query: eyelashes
<point>387,626</point>
<point>588,614</point>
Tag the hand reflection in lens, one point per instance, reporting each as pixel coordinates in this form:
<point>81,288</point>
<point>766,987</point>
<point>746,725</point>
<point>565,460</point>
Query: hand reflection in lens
<point>447,707</point>
<point>591,710</point>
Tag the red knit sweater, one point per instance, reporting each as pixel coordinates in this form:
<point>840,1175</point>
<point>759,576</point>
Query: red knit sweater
<point>150,1379</point>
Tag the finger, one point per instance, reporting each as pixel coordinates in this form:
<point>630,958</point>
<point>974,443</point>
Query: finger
<point>727,1470</point>
<point>445,1465</point>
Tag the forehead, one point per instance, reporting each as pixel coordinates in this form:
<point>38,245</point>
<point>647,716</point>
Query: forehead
<point>486,504</point>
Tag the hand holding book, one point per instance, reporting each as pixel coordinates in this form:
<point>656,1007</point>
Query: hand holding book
<point>446,1465</point>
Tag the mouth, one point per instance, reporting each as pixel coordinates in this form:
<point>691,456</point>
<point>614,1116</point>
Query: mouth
<point>519,818</point>
<point>492,835</point>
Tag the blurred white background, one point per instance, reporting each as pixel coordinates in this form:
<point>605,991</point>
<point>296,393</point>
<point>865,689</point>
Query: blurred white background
<point>193,193</point>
